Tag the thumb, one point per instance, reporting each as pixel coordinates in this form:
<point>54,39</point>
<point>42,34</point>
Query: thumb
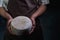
<point>9,22</point>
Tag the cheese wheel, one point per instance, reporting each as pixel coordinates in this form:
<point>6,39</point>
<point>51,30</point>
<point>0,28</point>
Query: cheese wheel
<point>21,24</point>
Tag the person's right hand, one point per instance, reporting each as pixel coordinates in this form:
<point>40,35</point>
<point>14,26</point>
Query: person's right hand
<point>8,25</point>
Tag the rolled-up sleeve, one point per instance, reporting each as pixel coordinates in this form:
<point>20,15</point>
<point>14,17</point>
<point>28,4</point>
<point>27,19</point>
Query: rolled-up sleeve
<point>44,2</point>
<point>1,2</point>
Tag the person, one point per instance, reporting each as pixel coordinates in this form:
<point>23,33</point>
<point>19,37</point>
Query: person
<point>29,8</point>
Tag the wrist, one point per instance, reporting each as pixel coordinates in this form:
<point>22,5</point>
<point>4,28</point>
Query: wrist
<point>9,18</point>
<point>33,16</point>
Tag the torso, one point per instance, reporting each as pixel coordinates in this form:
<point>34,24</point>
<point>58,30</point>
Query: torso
<point>21,7</point>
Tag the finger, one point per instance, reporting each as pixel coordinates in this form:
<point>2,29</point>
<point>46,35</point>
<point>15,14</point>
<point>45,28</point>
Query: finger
<point>10,31</point>
<point>8,26</point>
<point>9,22</point>
<point>32,29</point>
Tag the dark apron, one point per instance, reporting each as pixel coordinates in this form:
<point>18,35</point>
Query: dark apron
<point>21,7</point>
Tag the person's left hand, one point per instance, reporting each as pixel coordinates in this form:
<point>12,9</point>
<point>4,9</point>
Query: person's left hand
<point>33,24</point>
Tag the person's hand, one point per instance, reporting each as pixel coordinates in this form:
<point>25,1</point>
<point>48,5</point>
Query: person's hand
<point>33,25</point>
<point>8,24</point>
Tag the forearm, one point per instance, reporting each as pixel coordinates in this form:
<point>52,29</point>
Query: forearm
<point>4,14</point>
<point>39,11</point>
